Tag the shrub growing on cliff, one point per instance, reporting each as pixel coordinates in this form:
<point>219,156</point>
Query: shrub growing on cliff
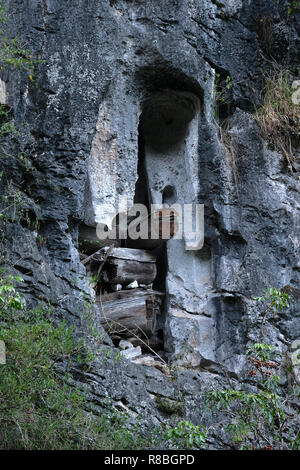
<point>186,435</point>
<point>293,7</point>
<point>38,409</point>
<point>279,117</point>
<point>9,297</point>
<point>41,408</point>
<point>259,419</point>
<point>260,415</point>
<point>12,52</point>
<point>273,302</point>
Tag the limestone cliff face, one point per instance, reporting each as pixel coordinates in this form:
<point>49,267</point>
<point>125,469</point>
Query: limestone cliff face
<point>102,61</point>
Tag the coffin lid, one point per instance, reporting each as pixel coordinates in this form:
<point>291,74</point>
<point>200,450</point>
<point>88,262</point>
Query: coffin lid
<point>132,254</point>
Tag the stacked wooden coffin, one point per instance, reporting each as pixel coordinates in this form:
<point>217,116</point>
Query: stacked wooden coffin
<point>126,265</point>
<point>129,311</point>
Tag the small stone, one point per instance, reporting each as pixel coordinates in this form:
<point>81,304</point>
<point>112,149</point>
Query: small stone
<point>145,361</point>
<point>132,353</point>
<point>125,344</point>
<point>116,287</point>
<point>132,285</point>
<point>135,341</point>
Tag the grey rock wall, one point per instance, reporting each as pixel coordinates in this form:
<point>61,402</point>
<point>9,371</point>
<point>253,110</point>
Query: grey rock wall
<point>102,60</point>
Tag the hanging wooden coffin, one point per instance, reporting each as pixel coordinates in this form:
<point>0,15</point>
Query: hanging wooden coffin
<point>125,265</point>
<point>130,311</point>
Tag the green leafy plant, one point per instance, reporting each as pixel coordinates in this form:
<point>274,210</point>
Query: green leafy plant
<point>27,162</point>
<point>221,88</point>
<point>93,280</point>
<point>12,52</point>
<point>257,419</point>
<point>293,7</point>
<point>261,351</point>
<point>41,407</point>
<point>9,297</point>
<point>186,435</point>
<point>6,127</point>
<point>274,301</point>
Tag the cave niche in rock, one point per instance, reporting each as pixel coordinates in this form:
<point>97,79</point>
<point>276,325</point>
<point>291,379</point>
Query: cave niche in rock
<point>169,195</point>
<point>166,116</point>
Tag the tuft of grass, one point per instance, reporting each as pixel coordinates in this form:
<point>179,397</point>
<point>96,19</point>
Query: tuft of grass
<point>279,117</point>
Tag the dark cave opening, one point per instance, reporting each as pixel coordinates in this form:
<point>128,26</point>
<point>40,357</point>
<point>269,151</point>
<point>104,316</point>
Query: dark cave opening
<point>142,308</point>
<point>163,126</point>
<point>169,195</point>
<point>166,116</point>
<point>141,195</point>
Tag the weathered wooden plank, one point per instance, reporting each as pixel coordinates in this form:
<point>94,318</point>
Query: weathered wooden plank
<point>120,271</point>
<point>133,319</point>
<point>125,294</point>
<point>130,311</point>
<point>133,254</point>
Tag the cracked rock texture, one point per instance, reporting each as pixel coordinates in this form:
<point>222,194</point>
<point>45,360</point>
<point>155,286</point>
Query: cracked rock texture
<point>79,121</point>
